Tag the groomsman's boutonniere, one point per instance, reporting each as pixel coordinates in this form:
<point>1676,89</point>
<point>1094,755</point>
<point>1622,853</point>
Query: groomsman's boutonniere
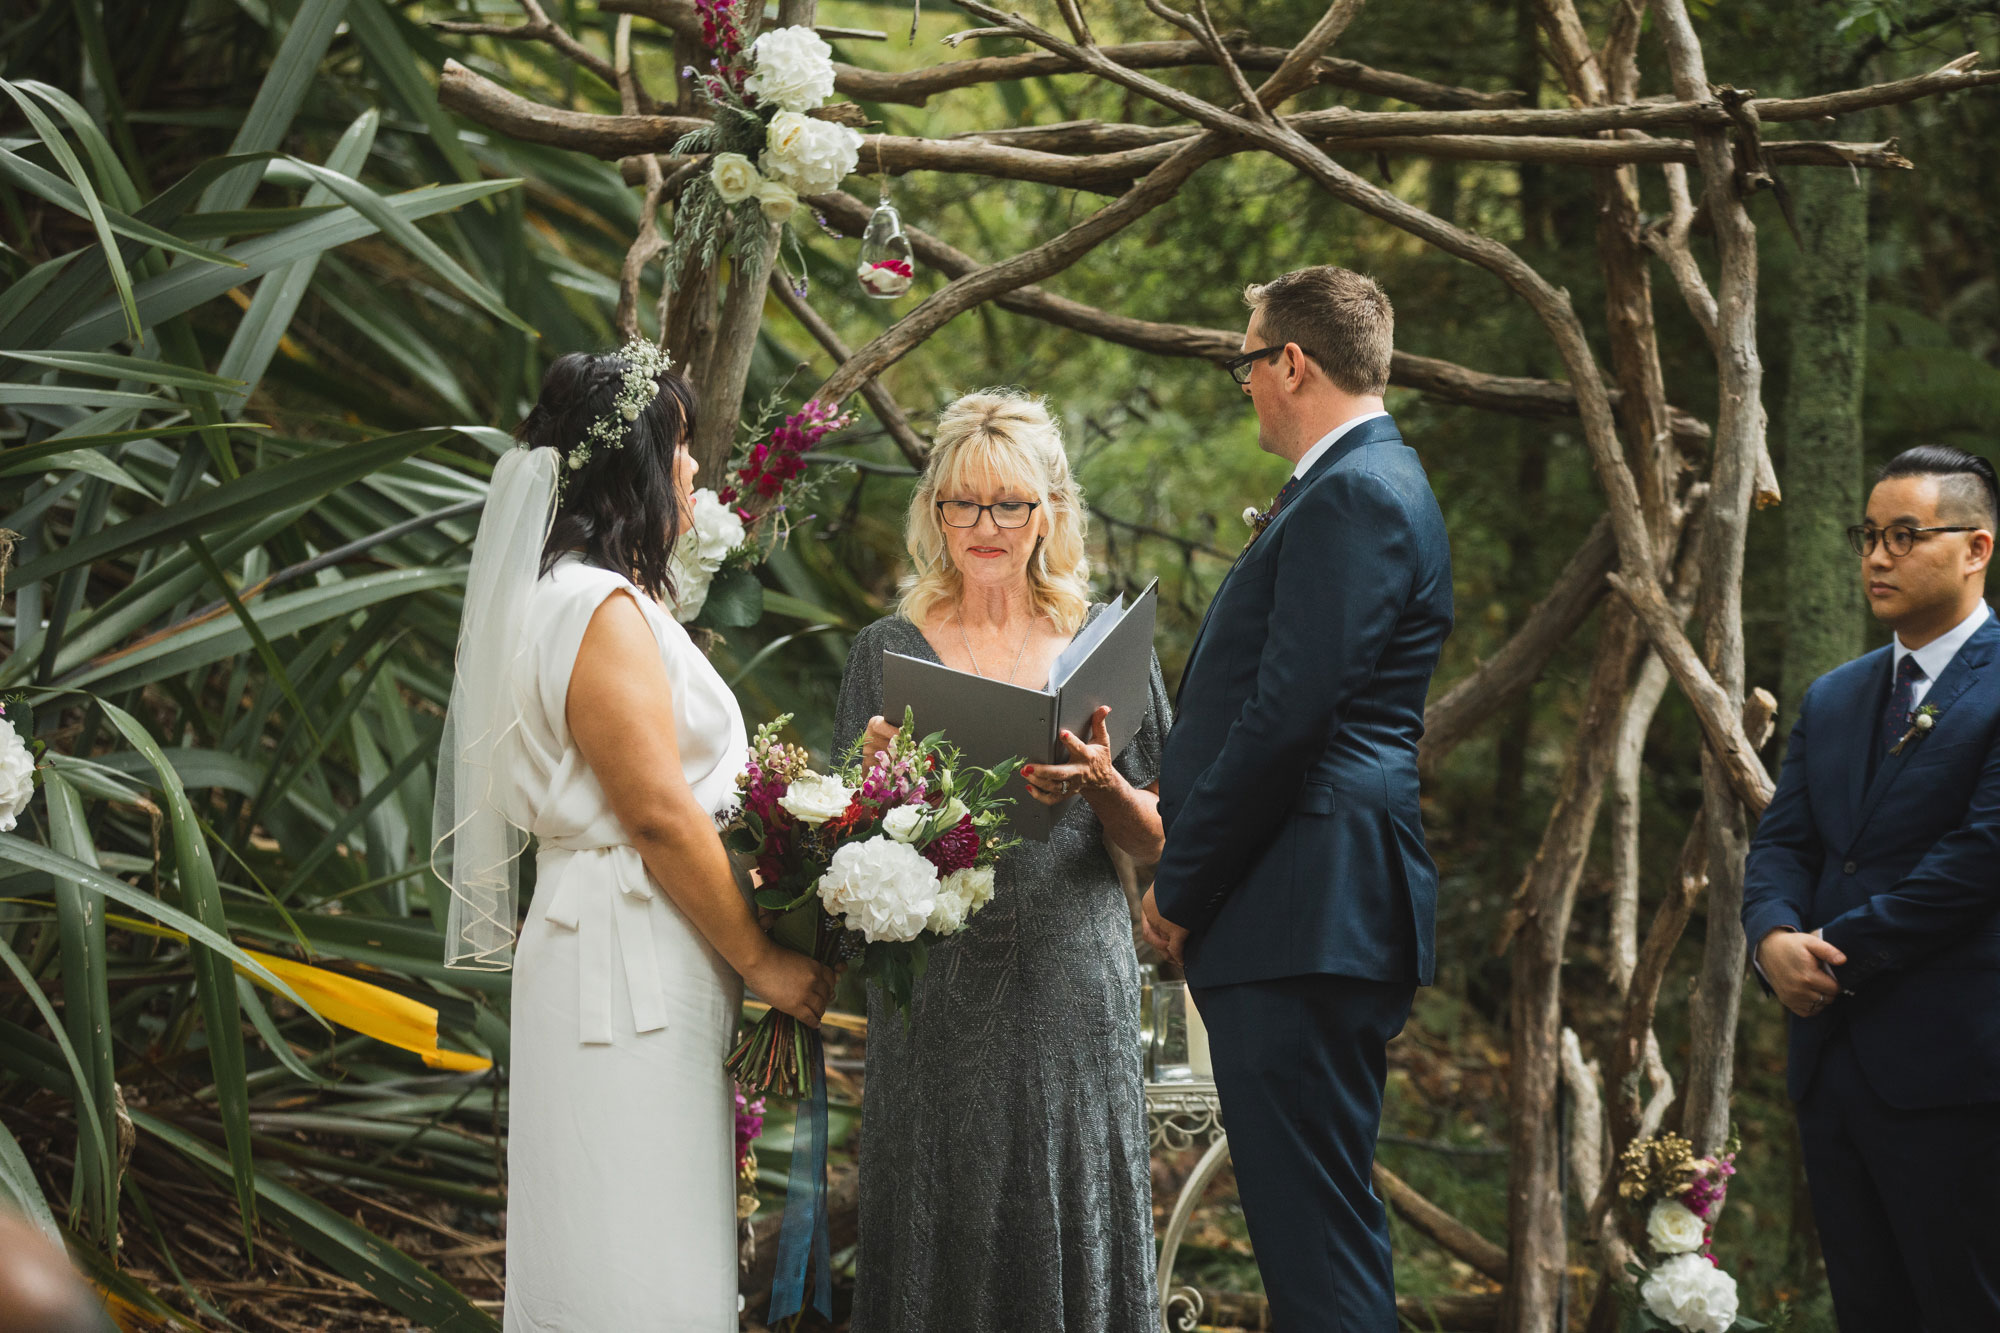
<point>1921,723</point>
<point>1258,519</point>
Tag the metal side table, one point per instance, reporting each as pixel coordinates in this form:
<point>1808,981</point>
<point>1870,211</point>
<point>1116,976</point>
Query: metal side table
<point>1182,1110</point>
<point>1178,1116</point>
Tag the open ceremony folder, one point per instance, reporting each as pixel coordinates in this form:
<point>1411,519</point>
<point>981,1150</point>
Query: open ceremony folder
<point>1109,662</point>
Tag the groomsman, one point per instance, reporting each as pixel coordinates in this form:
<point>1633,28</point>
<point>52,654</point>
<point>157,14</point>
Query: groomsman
<point>1294,883</point>
<point>1872,906</point>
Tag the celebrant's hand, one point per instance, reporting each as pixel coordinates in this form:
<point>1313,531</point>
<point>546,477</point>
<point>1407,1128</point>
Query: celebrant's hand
<point>1089,768</point>
<point>792,983</point>
<point>1795,964</point>
<point>1161,933</point>
<point>877,738</point>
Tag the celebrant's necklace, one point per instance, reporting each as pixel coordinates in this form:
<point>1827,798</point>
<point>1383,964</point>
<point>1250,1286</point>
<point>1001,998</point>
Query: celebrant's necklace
<point>973,658</point>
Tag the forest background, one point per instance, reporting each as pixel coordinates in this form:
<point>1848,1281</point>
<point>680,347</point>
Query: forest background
<point>305,717</point>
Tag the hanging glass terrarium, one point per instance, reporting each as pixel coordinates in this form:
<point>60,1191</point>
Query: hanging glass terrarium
<point>886,269</point>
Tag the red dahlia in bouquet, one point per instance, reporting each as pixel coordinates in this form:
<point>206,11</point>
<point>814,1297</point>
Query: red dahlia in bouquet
<point>869,864</point>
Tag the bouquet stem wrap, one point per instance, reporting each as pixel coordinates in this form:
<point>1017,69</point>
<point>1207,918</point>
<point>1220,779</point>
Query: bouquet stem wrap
<point>802,1236</point>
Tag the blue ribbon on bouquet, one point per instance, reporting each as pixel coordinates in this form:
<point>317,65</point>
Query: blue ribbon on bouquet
<point>802,1236</point>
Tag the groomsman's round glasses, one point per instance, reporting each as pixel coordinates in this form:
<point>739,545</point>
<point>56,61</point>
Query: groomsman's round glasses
<point>1897,538</point>
<point>1006,513</point>
<point>1239,367</point>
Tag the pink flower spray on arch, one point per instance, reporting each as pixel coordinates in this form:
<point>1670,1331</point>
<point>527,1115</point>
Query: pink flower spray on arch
<point>782,458</point>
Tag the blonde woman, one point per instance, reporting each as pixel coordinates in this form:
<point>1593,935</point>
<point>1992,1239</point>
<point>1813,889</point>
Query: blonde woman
<point>1004,1177</point>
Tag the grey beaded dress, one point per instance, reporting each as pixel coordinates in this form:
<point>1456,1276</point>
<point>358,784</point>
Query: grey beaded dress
<point>1005,1180</point>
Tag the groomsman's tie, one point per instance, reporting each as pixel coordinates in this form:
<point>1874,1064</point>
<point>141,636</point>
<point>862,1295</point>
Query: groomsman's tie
<point>1285,492</point>
<point>1902,701</point>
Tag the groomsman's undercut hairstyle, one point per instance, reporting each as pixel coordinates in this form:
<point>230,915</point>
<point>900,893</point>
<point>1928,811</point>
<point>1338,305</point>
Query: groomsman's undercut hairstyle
<point>1967,489</point>
<point>1341,317</point>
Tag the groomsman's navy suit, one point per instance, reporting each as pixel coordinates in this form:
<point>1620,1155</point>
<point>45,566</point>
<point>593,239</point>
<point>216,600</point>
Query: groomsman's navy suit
<point>1295,856</point>
<point>1895,858</point>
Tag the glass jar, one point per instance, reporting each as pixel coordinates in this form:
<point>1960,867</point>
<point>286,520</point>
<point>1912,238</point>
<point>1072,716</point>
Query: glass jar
<point>887,266</point>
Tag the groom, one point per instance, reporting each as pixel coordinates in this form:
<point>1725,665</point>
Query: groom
<point>1872,902</point>
<point>1295,885</point>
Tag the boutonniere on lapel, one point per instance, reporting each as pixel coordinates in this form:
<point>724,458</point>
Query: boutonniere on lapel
<point>1258,519</point>
<point>1921,723</point>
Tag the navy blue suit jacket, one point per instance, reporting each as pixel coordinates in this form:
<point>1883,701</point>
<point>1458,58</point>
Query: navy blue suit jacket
<point>1289,784</point>
<point>1898,862</point>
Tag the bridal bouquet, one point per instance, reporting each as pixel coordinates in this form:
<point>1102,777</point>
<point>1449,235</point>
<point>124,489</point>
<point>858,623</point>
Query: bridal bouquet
<point>870,862</point>
<point>1680,1196</point>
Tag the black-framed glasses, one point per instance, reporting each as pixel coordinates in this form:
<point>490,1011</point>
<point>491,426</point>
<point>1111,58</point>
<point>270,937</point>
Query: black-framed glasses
<point>1898,538</point>
<point>1006,513</point>
<point>1239,367</point>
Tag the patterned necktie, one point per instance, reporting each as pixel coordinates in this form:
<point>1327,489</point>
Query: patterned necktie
<point>1285,492</point>
<point>1902,701</point>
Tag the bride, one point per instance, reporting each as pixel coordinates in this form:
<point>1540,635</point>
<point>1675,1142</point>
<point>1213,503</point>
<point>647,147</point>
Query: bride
<point>582,713</point>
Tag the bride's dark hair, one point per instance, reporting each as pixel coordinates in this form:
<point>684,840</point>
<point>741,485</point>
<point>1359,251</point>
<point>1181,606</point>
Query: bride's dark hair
<point>619,507</point>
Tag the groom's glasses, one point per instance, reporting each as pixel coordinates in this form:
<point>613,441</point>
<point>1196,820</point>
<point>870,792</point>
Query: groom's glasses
<point>1239,367</point>
<point>1897,538</point>
<point>1006,513</point>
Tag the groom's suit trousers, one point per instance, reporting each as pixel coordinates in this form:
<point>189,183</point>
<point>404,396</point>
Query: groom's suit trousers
<point>1904,1200</point>
<point>1300,1064</point>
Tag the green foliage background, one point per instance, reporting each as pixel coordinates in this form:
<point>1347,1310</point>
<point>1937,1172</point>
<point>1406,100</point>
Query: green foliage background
<point>255,759</point>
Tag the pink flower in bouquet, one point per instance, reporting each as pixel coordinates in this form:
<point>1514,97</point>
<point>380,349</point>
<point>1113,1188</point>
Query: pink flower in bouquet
<point>749,1124</point>
<point>956,848</point>
<point>890,783</point>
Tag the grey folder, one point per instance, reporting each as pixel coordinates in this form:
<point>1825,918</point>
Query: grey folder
<point>990,721</point>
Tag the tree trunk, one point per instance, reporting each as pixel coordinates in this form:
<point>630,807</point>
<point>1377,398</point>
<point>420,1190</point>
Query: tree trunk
<point>1829,331</point>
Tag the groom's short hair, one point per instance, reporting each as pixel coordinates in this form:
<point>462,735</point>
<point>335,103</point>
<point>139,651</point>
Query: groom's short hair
<point>1967,488</point>
<point>1338,316</point>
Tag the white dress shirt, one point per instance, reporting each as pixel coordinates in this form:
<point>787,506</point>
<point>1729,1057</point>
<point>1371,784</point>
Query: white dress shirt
<point>1332,437</point>
<point>1936,655</point>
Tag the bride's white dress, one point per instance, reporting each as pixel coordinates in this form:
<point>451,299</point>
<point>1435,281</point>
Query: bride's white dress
<point>620,1156</point>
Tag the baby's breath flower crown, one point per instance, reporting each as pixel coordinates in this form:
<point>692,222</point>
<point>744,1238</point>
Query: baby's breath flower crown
<point>644,364</point>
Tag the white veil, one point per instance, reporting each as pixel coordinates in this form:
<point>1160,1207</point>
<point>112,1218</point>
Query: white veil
<point>476,847</point>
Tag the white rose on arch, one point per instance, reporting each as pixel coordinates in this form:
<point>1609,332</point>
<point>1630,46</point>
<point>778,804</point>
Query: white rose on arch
<point>17,775</point>
<point>1673,1228</point>
<point>811,156</point>
<point>1691,1293</point>
<point>713,531</point>
<point>735,177</point>
<point>792,68</point>
<point>690,587</point>
<point>778,200</point>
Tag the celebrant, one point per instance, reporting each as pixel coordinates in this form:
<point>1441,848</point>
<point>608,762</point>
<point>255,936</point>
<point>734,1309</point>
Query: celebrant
<point>1004,1171</point>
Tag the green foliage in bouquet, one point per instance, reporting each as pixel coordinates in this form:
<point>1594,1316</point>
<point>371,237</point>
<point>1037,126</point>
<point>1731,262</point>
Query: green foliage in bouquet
<point>873,861</point>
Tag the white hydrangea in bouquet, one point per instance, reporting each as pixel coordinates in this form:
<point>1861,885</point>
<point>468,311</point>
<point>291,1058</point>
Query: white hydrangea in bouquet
<point>772,139</point>
<point>1675,1198</point>
<point>869,864</point>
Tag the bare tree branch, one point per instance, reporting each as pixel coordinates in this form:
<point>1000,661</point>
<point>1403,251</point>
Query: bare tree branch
<point>1454,1237</point>
<point>887,411</point>
<point>1442,380</point>
<point>541,28</point>
<point>1636,547</point>
<point>1502,677</point>
<point>1739,440</point>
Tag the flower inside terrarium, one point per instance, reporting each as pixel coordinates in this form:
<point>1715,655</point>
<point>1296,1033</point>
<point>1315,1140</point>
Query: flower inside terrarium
<point>886,269</point>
